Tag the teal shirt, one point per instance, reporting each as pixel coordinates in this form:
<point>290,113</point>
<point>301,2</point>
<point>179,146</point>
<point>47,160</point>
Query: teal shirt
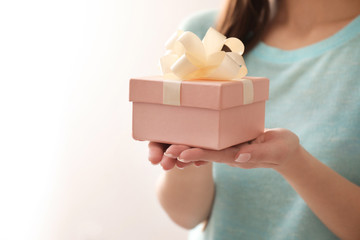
<point>314,92</point>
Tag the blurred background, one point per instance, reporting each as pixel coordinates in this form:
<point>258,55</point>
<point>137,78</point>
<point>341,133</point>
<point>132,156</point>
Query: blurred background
<point>69,169</point>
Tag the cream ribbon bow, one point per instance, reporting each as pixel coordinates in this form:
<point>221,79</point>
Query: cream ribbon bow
<point>187,57</point>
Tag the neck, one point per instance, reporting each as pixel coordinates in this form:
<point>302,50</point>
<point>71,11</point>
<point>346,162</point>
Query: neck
<point>305,14</point>
<point>299,23</point>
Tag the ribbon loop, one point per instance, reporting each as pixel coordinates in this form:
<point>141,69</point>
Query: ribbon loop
<point>193,47</point>
<point>183,67</point>
<point>213,41</point>
<point>235,45</point>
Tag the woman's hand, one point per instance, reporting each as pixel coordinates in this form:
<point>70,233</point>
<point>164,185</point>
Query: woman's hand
<point>166,155</point>
<point>275,148</point>
<point>186,195</point>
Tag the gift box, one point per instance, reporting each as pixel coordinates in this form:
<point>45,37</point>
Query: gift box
<point>203,98</point>
<point>212,114</point>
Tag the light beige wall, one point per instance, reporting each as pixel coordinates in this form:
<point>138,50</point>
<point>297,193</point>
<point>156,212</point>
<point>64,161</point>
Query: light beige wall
<point>69,168</point>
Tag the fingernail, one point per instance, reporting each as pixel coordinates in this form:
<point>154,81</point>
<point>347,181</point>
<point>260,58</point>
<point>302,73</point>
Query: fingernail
<point>181,168</point>
<point>169,155</point>
<point>243,157</point>
<point>182,160</point>
<point>166,170</point>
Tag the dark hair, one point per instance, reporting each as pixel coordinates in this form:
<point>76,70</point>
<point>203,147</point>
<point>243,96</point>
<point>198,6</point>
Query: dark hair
<point>244,19</point>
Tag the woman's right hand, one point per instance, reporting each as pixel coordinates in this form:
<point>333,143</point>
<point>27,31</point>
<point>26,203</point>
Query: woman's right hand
<point>167,155</point>
<point>186,195</point>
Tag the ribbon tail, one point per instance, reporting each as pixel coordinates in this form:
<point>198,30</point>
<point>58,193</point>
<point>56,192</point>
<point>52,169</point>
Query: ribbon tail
<point>242,72</point>
<point>240,62</point>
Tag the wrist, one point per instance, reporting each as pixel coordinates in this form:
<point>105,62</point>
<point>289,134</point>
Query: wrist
<point>296,165</point>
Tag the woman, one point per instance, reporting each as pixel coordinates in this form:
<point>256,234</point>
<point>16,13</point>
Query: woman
<point>300,181</point>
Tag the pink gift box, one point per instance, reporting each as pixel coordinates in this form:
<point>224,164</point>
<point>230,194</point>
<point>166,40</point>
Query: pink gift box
<point>211,115</point>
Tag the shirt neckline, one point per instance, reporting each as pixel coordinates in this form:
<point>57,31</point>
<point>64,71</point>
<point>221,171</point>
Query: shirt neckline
<point>273,54</point>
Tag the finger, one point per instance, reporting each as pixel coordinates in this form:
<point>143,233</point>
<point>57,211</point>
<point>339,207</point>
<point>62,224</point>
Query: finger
<point>156,151</point>
<point>263,154</point>
<point>200,163</point>
<point>196,154</point>
<point>168,163</point>
<point>182,165</point>
<point>250,165</point>
<point>259,139</point>
<point>174,150</point>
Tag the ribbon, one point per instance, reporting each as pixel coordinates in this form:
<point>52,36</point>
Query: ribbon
<point>188,58</point>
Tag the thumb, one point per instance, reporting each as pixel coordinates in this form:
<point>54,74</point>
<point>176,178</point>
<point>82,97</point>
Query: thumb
<point>256,152</point>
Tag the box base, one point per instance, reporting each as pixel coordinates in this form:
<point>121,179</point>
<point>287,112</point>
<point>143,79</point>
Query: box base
<point>198,127</point>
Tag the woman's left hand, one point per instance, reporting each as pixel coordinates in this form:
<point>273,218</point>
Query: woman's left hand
<point>275,148</point>
<point>331,197</point>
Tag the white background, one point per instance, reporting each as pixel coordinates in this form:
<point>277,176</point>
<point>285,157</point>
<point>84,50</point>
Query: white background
<point>69,169</point>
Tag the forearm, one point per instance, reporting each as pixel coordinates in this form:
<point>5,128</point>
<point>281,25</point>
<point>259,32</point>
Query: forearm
<point>334,199</point>
<point>186,195</point>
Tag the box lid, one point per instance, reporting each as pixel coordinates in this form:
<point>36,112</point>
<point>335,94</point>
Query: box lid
<point>199,93</point>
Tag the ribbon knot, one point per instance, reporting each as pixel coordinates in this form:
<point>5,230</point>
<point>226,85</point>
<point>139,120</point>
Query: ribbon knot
<point>187,57</point>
